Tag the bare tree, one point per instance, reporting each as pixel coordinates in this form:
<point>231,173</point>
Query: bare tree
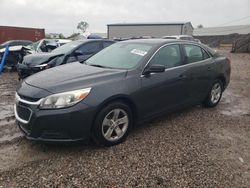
<point>82,26</point>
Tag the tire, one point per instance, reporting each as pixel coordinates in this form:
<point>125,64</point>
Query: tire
<point>214,94</point>
<point>112,124</point>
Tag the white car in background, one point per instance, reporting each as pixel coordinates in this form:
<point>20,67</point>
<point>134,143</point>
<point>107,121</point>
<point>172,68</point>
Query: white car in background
<point>18,51</point>
<point>182,37</point>
<point>47,45</point>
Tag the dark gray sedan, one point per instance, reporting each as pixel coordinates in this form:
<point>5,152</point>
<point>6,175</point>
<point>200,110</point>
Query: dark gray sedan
<point>124,84</point>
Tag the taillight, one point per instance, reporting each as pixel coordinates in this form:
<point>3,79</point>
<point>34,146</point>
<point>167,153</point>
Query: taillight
<point>228,60</point>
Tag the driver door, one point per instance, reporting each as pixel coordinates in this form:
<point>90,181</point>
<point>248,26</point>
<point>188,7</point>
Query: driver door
<point>165,91</point>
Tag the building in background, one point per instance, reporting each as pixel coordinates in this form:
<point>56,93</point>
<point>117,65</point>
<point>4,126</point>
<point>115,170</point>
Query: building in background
<point>221,36</point>
<point>20,33</point>
<point>53,35</point>
<point>130,30</point>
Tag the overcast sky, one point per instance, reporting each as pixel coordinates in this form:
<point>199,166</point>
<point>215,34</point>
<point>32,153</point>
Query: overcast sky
<point>62,16</point>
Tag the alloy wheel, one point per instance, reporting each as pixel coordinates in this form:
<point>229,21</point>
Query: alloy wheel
<point>115,124</point>
<point>216,93</point>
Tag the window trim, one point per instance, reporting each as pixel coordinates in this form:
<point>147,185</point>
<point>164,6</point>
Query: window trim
<point>182,52</point>
<point>185,55</point>
<point>164,45</point>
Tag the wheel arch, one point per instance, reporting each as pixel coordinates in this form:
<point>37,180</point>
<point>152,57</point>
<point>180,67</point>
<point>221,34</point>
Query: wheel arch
<point>222,79</point>
<point>123,98</point>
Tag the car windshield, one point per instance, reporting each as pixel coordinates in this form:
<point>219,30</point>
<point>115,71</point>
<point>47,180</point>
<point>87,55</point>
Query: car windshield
<point>120,55</point>
<point>34,45</point>
<point>67,47</point>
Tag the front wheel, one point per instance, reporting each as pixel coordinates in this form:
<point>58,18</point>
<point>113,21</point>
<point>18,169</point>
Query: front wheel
<point>214,95</point>
<point>112,124</point>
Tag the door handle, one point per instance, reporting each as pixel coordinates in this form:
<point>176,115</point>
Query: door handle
<point>209,68</point>
<point>182,76</point>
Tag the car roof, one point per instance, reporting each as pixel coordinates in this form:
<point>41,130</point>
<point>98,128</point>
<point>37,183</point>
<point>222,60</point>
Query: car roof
<point>157,41</point>
<point>83,41</point>
<point>63,40</point>
<point>88,40</point>
<point>11,41</point>
<point>177,36</point>
<point>19,41</point>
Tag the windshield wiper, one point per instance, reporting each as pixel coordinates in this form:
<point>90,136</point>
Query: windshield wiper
<point>94,65</point>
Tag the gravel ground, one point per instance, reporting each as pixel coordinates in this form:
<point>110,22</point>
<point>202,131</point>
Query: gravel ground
<point>195,147</point>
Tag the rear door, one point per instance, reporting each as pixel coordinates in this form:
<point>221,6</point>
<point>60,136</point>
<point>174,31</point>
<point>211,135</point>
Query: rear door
<point>199,71</point>
<point>167,90</point>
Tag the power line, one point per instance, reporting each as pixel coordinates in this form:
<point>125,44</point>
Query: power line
<point>246,17</point>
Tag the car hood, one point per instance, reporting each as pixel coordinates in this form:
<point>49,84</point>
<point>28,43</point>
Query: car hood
<point>73,76</point>
<point>39,58</point>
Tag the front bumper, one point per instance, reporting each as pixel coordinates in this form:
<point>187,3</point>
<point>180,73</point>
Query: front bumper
<point>58,125</point>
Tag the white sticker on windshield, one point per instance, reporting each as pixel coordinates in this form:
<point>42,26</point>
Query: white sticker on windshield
<point>139,52</point>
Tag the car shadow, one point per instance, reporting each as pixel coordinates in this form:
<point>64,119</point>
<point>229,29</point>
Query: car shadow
<point>90,145</point>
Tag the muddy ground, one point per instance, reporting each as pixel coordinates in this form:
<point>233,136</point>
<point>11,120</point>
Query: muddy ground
<point>196,147</point>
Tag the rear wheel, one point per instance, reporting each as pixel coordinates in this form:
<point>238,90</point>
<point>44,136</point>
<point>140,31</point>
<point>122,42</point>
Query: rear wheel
<point>214,95</point>
<point>112,124</point>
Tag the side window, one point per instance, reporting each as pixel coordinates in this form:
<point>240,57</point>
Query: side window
<point>195,53</point>
<point>106,44</point>
<point>169,56</point>
<point>90,48</point>
<point>205,54</point>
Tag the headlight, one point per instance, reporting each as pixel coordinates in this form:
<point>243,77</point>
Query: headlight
<point>43,66</point>
<point>47,65</point>
<point>66,99</point>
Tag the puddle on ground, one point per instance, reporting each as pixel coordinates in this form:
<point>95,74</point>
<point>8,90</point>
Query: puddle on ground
<point>234,105</point>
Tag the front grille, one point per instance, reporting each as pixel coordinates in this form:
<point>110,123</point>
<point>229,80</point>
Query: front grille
<point>23,112</point>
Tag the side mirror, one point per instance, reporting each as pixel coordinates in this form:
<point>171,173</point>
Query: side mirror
<point>154,69</point>
<point>78,53</point>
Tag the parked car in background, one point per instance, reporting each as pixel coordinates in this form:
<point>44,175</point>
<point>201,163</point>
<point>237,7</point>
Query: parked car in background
<point>15,43</point>
<point>78,50</point>
<point>127,82</point>
<point>15,51</point>
<point>47,45</point>
<point>19,49</point>
<point>197,40</point>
